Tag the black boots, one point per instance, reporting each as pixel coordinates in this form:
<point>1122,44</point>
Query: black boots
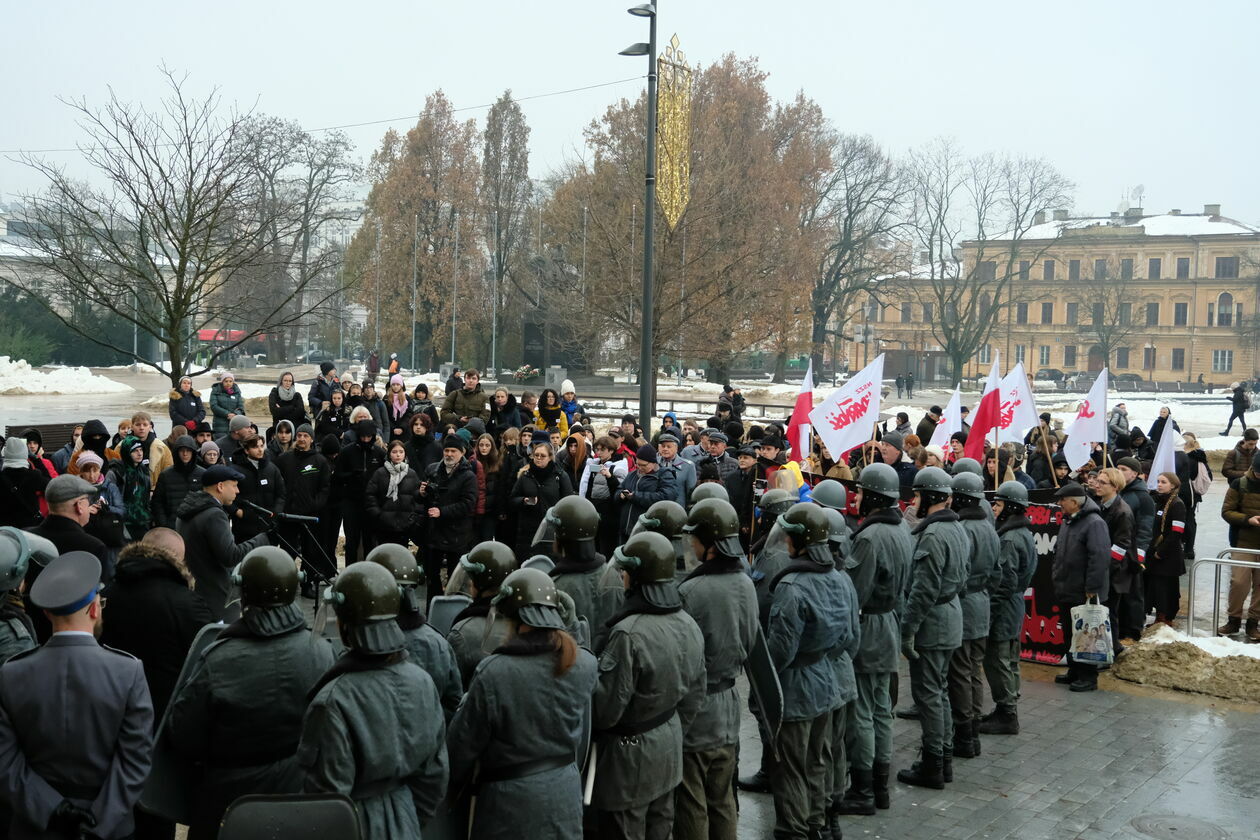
<point>964,745</point>
<point>926,772</point>
<point>758,782</point>
<point>879,783</point>
<point>860,797</point>
<point>975,736</point>
<point>1004,720</point>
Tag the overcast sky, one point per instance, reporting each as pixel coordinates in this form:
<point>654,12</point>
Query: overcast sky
<point>1116,94</point>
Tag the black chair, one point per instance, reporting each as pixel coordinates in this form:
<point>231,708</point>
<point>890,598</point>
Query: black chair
<point>259,817</point>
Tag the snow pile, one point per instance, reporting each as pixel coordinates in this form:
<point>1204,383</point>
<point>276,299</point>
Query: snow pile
<point>18,377</point>
<point>1162,634</point>
<point>1167,658</point>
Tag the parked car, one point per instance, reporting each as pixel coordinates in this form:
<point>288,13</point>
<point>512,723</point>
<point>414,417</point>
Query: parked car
<point>314,357</point>
<point>1126,378</point>
<point>1052,374</point>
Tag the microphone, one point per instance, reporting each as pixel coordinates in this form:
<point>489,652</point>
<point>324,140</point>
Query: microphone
<point>292,517</point>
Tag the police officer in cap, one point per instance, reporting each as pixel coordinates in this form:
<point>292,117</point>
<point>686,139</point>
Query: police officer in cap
<point>966,688</point>
<point>1017,563</point>
<point>18,550</point>
<point>76,720</point>
<point>240,712</point>
<point>425,646</point>
<point>931,621</point>
<point>651,685</point>
<point>484,568</point>
<point>523,728</point>
<point>374,729</point>
<point>813,618</point>
<point>721,599</point>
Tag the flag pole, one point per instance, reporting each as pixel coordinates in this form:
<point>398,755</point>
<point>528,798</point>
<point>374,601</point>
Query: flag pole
<point>1045,444</point>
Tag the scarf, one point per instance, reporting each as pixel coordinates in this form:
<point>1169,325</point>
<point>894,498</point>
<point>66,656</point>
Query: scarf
<point>286,394</point>
<point>137,514</point>
<point>397,472</point>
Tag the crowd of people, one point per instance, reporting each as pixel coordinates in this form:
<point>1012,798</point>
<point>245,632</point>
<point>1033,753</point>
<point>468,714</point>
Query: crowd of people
<point>616,580</point>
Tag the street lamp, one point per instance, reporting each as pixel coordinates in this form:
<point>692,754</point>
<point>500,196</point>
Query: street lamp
<point>647,369</point>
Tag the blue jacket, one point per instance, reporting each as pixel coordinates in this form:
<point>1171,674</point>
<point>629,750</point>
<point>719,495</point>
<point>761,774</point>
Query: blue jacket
<point>813,620</point>
<point>648,490</point>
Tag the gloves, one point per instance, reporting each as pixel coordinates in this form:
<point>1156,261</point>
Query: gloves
<point>69,818</point>
<point>907,648</point>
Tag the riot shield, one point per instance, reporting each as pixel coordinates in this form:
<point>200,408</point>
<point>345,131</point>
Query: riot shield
<point>173,780</point>
<point>545,536</point>
<point>458,582</point>
<point>444,608</point>
<point>763,679</point>
<point>539,561</point>
<point>498,629</point>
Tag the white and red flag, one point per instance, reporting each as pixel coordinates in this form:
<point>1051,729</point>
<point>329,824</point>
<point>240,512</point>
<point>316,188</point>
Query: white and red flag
<point>847,417</point>
<point>1017,411</point>
<point>986,416</point>
<point>798,426</point>
<point>1090,425</point>
<point>951,421</point>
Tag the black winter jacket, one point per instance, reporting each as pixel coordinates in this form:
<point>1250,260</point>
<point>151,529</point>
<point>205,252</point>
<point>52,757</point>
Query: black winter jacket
<point>293,409</point>
<point>264,486</point>
<point>210,550</point>
<point>1082,556</point>
<point>186,407</point>
<point>423,452</point>
<point>455,495</point>
<point>1123,533</point>
<point>307,479</point>
<point>173,485</point>
<point>398,516</point>
<point>355,465</point>
<point>549,485</point>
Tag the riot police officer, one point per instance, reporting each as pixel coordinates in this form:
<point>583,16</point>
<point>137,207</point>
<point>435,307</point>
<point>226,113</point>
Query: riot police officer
<point>813,617</point>
<point>522,730</point>
<point>832,495</point>
<point>721,599</point>
<point>966,689</point>
<point>374,728</point>
<point>708,490</point>
<point>879,566</point>
<point>651,685</point>
<point>971,465</point>
<point>484,568</point>
<point>18,549</point>
<point>572,525</point>
<point>1017,564</point>
<point>240,712</point>
<point>425,646</point>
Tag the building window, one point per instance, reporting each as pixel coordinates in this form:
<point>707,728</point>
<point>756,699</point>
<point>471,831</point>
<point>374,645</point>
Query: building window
<point>1096,314</point>
<point>1100,269</point>
<point>1226,268</point>
<point>1047,313</point>
<point>1225,310</point>
<point>1181,314</point>
<point>986,355</point>
<point>1126,269</point>
<point>1021,313</point>
<point>1179,358</point>
<point>1211,314</point>
<point>1074,270</point>
<point>1183,268</point>
<point>1152,314</point>
<point>1047,271</point>
<point>986,306</point>
<point>1125,313</point>
<point>1043,355</point>
<point>1069,356</point>
<point>1122,357</point>
<point>1071,314</point>
<point>1024,266</point>
<point>1222,361</point>
<point>905,313</point>
<point>1148,358</point>
<point>1153,267</point>
<point>1019,352</point>
<point>927,313</point>
<point>987,271</point>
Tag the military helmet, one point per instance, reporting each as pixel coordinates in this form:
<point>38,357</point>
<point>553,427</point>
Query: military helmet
<point>807,521</point>
<point>831,494</point>
<point>1012,492</point>
<point>530,597</point>
<point>880,479</point>
<point>969,485</point>
<point>488,564</point>
<point>268,577</point>
<point>664,517</point>
<point>933,480</point>
<point>574,519</point>
<point>969,465</point>
<point>363,593</point>
<point>837,527</point>
<point>648,557</point>
<point>400,562</point>
<point>18,549</point>
<point>709,490</point>
<point>715,522</point>
<point>776,501</point>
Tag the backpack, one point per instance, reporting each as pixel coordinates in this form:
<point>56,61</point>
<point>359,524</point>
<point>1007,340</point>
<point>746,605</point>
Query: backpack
<point>1202,482</point>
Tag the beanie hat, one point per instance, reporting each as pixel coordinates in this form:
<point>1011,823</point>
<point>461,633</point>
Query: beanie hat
<point>397,379</point>
<point>239,422</point>
<point>734,430</point>
<point>87,457</point>
<point>566,387</point>
<point>325,367</point>
<point>1132,463</point>
<point>15,453</point>
<point>936,409</point>
<point>33,434</point>
<point>893,439</point>
<point>208,446</point>
<point>330,446</point>
<point>305,427</point>
<point>647,452</point>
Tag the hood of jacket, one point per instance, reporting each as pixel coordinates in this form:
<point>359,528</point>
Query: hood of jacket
<point>178,394</point>
<point>139,561</point>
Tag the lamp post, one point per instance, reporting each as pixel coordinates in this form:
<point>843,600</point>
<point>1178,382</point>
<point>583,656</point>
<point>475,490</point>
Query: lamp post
<point>647,369</point>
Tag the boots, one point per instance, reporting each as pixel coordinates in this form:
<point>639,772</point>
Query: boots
<point>860,797</point>
<point>758,782</point>
<point>963,747</point>
<point>947,764</point>
<point>908,713</point>
<point>975,736</point>
<point>1003,721</point>
<point>1230,627</point>
<point>1253,630</point>
<point>879,783</point>
<point>926,772</point>
<point>832,830</point>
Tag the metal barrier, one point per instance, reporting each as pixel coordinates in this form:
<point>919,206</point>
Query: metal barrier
<point>1225,558</point>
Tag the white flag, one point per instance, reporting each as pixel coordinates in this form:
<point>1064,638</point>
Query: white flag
<point>1165,454</point>
<point>951,420</point>
<point>847,417</point>
<point>1090,425</point>
<point>1018,411</point>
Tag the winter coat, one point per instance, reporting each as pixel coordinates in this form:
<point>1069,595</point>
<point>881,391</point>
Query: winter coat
<point>739,487</point>
<point>932,614</point>
<point>549,485</point>
<point>646,490</point>
<point>423,452</point>
<point>1239,400</point>
<point>396,418</point>
<point>812,620</point>
<point>1157,429</point>
<point>154,616</point>
<point>395,516</point>
<point>1138,497</point>
<point>1017,562</point>
<point>464,403</point>
<point>453,493</point>
<point>1195,457</point>
<point>1166,555</point>
<point>1242,501</point>
<point>210,550</point>
<point>21,491</point>
<point>545,420</point>
<point>307,479</point>
<point>925,428</point>
<point>292,409</point>
<point>502,418</point>
<point>175,483</point>
<point>684,478</point>
<point>354,467</point>
<point>186,408</point>
<point>320,393</point>
<point>595,487</point>
<point>133,479</point>
<point>983,572</point>
<point>1082,556</point>
<point>377,408</point>
<point>334,421</point>
<point>223,403</point>
<point>1117,424</point>
<point>879,564</point>
<point>157,457</point>
<point>264,486</point>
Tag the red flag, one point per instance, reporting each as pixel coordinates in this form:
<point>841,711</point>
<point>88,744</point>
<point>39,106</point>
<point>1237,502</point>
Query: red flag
<point>987,416</point>
<point>798,428</point>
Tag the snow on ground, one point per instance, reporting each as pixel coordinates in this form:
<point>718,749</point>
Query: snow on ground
<point>1202,414</point>
<point>18,377</point>
<point>1213,645</point>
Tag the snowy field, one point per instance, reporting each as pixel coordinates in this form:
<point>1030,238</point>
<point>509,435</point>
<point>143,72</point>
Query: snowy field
<point>18,378</point>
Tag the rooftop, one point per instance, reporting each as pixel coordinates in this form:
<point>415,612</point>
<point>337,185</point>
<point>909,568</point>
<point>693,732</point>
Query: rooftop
<point>1134,222</point>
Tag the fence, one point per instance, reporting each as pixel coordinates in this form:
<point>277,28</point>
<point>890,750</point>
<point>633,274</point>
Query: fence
<point>1225,558</point>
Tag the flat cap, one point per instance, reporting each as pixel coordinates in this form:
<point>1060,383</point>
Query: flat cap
<point>68,583</point>
<point>65,488</point>
<point>1069,490</point>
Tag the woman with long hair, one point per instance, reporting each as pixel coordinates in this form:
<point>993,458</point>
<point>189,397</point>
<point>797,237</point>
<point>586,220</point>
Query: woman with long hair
<point>1165,558</point>
<point>334,420</point>
<point>486,454</point>
<point>397,409</point>
<point>549,414</point>
<point>573,459</point>
<point>285,403</point>
<point>538,486</point>
<point>392,501</point>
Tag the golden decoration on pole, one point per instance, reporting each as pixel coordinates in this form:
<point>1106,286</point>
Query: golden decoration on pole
<point>673,133</point>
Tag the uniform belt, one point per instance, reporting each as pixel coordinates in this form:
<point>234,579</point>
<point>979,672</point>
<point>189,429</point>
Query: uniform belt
<point>254,759</point>
<point>371,790</point>
<point>70,791</point>
<point>720,686</point>
<point>624,729</point>
<point>869,611</point>
<point>984,587</point>
<point>804,660</point>
<point>945,600</point>
<point>522,769</point>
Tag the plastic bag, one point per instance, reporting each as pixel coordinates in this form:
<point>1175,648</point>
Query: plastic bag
<point>1091,635</point>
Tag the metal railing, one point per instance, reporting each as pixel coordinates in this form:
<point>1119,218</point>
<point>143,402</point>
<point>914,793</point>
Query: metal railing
<point>1225,558</point>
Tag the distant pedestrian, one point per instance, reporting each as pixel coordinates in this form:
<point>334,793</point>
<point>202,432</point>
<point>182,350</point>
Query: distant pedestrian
<point>1240,403</point>
<point>909,385</point>
<point>901,385</point>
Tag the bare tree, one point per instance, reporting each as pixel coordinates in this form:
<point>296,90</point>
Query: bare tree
<point>177,220</point>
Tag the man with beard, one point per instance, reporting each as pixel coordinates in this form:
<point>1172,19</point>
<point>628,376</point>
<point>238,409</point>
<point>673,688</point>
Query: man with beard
<point>307,477</point>
<point>76,720</point>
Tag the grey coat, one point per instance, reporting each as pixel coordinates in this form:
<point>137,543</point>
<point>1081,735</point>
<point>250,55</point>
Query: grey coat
<point>377,735</point>
<point>517,710</point>
<point>1082,556</point>
<point>724,605</point>
<point>652,664</point>
<point>431,651</point>
<point>465,640</point>
<point>812,619</point>
<point>583,587</point>
<point>684,478</point>
<point>846,681</point>
<point>983,573</point>
<point>211,552</point>
<point>938,573</point>
<point>76,723</point>
<point>879,566</point>
<point>1017,564</point>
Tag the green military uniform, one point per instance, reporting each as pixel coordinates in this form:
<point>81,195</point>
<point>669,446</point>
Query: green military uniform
<point>1017,563</point>
<point>484,567</point>
<point>17,550</point>
<point>573,523</point>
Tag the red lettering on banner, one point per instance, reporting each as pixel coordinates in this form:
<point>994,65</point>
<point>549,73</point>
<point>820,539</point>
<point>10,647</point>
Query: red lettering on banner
<point>1041,629</point>
<point>1084,411</point>
<point>848,412</point>
<point>1007,413</point>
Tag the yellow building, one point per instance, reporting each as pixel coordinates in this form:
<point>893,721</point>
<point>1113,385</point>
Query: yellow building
<point>1170,297</point>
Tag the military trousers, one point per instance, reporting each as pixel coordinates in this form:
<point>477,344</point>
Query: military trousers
<point>704,802</point>
<point>870,721</point>
<point>1001,669</point>
<point>966,684</point>
<point>840,751</point>
<point>801,784</point>
<point>929,678</point>
<point>653,821</point>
